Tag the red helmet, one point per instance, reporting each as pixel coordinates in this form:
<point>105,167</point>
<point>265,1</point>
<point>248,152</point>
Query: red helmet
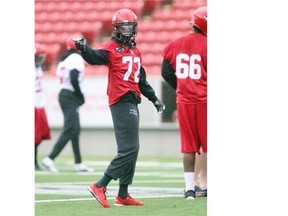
<point>70,44</point>
<point>199,19</point>
<point>40,54</point>
<point>125,25</point>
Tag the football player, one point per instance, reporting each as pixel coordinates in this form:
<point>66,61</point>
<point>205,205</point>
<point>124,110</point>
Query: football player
<point>126,82</point>
<point>42,129</point>
<point>184,68</point>
<point>70,71</point>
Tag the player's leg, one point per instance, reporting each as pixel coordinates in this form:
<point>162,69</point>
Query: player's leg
<point>75,130</point>
<point>201,189</point>
<point>68,111</point>
<point>125,116</point>
<point>126,123</point>
<point>70,114</point>
<point>75,140</point>
<point>200,177</point>
<point>42,132</point>
<point>189,139</point>
<point>37,167</point>
<point>37,135</point>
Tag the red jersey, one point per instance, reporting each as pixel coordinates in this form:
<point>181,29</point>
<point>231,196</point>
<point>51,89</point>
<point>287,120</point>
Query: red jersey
<point>188,58</point>
<point>124,71</point>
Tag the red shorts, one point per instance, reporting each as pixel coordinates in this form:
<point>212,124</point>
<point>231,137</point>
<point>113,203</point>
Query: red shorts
<point>193,127</point>
<point>42,130</point>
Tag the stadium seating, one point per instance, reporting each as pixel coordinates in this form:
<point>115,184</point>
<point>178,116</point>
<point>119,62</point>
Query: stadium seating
<point>165,24</point>
<point>159,22</point>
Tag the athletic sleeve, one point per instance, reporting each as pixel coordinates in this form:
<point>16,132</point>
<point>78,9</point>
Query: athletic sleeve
<point>95,57</point>
<point>168,74</point>
<point>145,87</point>
<point>74,74</point>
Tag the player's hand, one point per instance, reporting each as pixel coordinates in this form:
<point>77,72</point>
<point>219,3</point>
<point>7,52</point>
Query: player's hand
<point>159,106</point>
<point>80,43</point>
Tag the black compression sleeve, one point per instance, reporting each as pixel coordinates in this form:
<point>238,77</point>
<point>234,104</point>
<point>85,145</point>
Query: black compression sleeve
<point>145,87</point>
<point>168,74</point>
<point>74,74</point>
<point>95,57</point>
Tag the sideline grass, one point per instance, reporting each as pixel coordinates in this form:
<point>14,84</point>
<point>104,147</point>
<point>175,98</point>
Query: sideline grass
<point>150,173</point>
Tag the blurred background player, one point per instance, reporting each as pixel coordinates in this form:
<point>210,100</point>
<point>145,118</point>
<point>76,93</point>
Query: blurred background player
<point>70,71</point>
<point>126,82</point>
<point>42,129</point>
<point>184,68</point>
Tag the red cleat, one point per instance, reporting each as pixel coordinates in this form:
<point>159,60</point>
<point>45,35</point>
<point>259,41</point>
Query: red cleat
<point>99,194</point>
<point>127,201</point>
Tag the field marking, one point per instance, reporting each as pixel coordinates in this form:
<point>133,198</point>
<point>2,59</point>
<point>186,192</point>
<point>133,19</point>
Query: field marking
<point>112,191</point>
<point>137,173</point>
<point>138,164</point>
<point>80,188</point>
<point>108,198</point>
<point>115,182</point>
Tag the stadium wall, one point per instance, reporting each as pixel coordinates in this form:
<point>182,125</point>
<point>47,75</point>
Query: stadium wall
<point>100,141</point>
<point>95,112</point>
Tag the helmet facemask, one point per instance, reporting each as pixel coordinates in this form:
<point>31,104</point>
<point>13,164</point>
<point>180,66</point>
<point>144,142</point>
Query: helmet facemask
<point>125,32</point>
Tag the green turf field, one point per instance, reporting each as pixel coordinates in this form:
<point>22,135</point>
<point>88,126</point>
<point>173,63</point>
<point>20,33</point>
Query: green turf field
<point>158,182</point>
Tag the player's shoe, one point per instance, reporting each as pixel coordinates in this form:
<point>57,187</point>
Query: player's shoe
<point>190,194</point>
<point>128,201</point>
<point>200,192</point>
<point>49,165</point>
<point>80,167</point>
<point>99,194</point>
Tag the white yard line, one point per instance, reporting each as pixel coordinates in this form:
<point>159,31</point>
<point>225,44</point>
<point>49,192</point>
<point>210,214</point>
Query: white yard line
<point>80,188</point>
<point>139,192</point>
<point>109,198</point>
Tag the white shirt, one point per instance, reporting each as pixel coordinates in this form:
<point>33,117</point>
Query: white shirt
<point>39,98</point>
<point>73,61</point>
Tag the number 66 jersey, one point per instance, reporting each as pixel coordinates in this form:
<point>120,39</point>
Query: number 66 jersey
<point>187,56</point>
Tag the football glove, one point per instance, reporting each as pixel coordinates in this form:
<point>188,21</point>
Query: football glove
<point>80,43</point>
<point>159,106</point>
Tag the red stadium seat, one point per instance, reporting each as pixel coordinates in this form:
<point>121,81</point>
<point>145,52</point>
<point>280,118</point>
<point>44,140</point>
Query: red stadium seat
<point>56,20</point>
<point>151,5</point>
<point>54,16</point>
<point>53,52</point>
<point>154,70</point>
<point>63,6</point>
<point>89,6</point>
<point>41,16</point>
<point>39,6</point>
<point>59,26</point>
<point>162,15</point>
<point>92,16</point>
<point>74,5</point>
<point>39,37</point>
<point>184,5</point>
<point>152,59</point>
